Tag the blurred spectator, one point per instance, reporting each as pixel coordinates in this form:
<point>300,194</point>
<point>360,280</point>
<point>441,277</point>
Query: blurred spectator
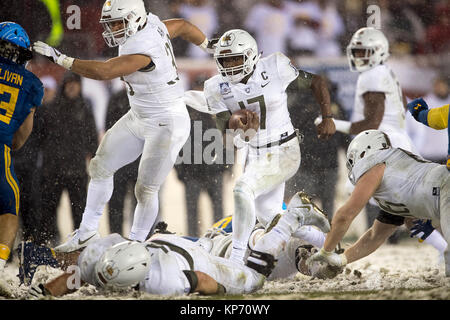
<point>269,22</point>
<point>331,28</point>
<point>306,18</point>
<point>438,33</point>
<point>404,28</point>
<point>430,143</point>
<point>69,140</point>
<point>125,177</point>
<point>232,14</point>
<point>318,173</point>
<point>202,14</point>
<point>27,171</point>
<point>194,176</point>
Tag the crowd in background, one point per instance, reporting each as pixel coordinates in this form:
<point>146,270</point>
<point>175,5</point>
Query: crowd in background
<point>67,129</point>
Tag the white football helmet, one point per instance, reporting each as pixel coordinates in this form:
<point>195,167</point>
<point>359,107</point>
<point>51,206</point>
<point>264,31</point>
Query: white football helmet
<point>375,46</point>
<point>235,43</point>
<point>364,144</point>
<point>130,12</point>
<point>123,265</point>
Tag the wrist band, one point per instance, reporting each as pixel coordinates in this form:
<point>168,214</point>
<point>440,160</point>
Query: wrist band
<point>342,126</point>
<point>204,44</point>
<point>327,117</point>
<point>65,61</point>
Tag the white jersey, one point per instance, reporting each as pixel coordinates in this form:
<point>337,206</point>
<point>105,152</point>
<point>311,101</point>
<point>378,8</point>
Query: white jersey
<point>157,88</point>
<point>264,93</point>
<point>411,186</point>
<point>382,79</point>
<point>172,258</point>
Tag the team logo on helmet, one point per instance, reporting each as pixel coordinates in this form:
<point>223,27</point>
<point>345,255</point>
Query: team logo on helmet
<point>227,40</point>
<point>110,271</point>
<point>107,6</point>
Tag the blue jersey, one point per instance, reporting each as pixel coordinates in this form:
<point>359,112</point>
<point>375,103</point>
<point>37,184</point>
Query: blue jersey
<point>20,90</point>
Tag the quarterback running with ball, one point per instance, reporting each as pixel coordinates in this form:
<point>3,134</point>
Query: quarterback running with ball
<point>157,124</point>
<point>259,85</point>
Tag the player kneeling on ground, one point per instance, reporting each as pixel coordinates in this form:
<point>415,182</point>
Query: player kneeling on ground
<point>403,185</point>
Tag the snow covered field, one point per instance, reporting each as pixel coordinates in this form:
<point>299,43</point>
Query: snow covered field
<point>406,271</point>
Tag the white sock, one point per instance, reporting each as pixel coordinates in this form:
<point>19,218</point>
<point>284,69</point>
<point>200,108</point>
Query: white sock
<point>436,240</point>
<point>145,216</point>
<point>2,264</point>
<point>99,193</point>
<point>310,235</point>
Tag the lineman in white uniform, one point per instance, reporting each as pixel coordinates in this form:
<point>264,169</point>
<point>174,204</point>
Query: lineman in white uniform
<point>259,85</point>
<point>157,124</point>
<point>403,184</point>
<point>168,264</point>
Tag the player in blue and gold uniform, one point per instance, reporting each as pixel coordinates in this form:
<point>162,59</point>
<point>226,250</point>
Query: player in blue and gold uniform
<point>20,93</point>
<point>437,118</point>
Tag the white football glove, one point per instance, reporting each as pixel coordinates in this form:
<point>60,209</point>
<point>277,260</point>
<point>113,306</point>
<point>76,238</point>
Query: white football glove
<point>53,55</point>
<point>209,46</point>
<point>325,264</point>
<point>36,291</point>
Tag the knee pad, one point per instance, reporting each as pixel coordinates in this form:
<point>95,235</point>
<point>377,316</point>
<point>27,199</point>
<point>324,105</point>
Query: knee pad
<point>143,193</point>
<point>97,171</point>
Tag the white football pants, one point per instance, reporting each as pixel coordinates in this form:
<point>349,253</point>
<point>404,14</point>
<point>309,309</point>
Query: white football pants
<point>259,192</point>
<point>158,139</point>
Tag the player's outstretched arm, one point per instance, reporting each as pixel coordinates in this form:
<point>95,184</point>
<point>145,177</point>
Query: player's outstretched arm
<point>189,32</point>
<point>97,70</point>
<point>370,241</point>
<point>24,131</point>
<point>364,190</point>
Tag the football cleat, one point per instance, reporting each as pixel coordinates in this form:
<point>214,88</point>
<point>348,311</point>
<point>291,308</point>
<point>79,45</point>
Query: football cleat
<point>302,205</point>
<point>78,240</point>
<point>30,257</point>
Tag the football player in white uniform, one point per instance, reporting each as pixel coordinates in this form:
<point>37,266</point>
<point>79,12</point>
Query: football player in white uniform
<point>403,184</point>
<point>259,85</point>
<point>168,264</point>
<point>379,101</point>
<point>157,124</point>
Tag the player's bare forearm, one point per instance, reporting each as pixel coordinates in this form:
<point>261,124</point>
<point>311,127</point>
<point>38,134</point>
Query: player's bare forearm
<point>24,131</point>
<point>364,190</point>
<point>184,29</point>
<point>110,69</point>
<point>373,113</point>
<point>370,241</point>
<point>207,285</point>
<point>58,286</point>
<point>320,89</point>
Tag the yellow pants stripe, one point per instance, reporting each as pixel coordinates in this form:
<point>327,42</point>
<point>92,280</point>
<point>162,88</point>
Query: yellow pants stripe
<point>9,177</point>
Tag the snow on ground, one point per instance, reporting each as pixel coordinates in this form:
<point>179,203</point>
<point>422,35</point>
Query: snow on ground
<point>408,270</point>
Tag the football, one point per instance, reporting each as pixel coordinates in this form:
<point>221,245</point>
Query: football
<point>243,119</point>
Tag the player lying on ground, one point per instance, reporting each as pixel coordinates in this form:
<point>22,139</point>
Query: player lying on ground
<point>436,118</point>
<point>157,125</point>
<point>168,264</point>
<point>218,242</point>
<point>403,184</point>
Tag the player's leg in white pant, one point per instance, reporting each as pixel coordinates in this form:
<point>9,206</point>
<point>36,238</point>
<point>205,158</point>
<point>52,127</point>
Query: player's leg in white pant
<point>120,146</point>
<point>164,138</point>
<point>263,173</point>
<point>269,204</point>
<point>445,220</point>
